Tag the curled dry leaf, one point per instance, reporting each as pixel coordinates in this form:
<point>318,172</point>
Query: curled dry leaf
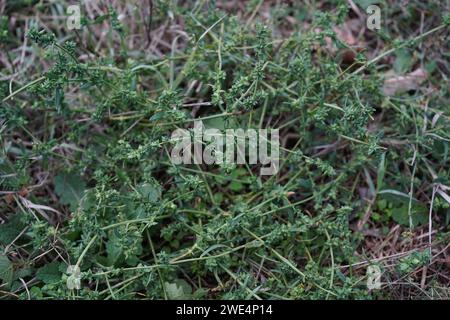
<point>411,81</point>
<point>346,33</point>
<point>346,30</point>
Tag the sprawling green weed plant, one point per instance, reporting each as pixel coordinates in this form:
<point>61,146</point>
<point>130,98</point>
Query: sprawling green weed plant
<point>88,182</point>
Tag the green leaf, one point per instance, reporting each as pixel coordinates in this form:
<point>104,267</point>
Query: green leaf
<point>6,269</point>
<point>214,123</point>
<point>403,61</point>
<point>70,189</point>
<point>49,273</point>
<point>150,191</point>
<point>113,249</point>
<point>419,215</point>
<point>200,294</point>
<point>381,171</point>
<point>236,186</point>
<point>10,230</point>
<point>220,123</point>
<point>395,195</point>
<point>59,97</point>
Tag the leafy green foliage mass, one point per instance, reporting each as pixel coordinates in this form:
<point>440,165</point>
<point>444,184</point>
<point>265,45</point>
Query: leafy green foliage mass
<point>88,179</point>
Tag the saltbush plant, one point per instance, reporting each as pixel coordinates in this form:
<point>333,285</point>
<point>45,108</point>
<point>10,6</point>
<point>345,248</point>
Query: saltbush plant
<point>87,180</point>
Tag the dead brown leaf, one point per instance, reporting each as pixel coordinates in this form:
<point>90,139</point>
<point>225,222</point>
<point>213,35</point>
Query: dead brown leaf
<point>411,81</point>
